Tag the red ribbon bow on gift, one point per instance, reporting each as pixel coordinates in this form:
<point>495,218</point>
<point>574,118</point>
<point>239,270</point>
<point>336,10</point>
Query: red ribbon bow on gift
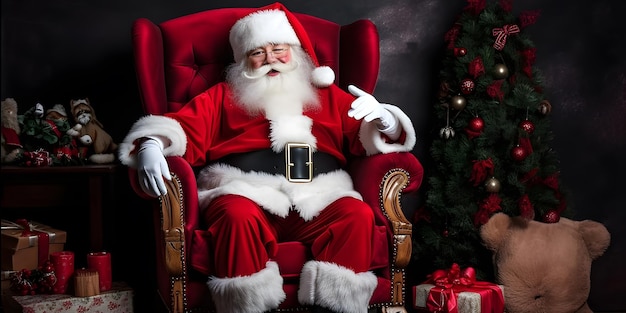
<point>502,33</point>
<point>43,238</point>
<point>443,298</point>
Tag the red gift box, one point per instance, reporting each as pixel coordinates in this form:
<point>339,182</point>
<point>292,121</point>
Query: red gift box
<point>37,158</point>
<point>457,291</point>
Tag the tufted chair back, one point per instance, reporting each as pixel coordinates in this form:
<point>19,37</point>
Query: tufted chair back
<point>181,57</point>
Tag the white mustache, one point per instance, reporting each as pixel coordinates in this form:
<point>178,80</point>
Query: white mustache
<point>263,70</point>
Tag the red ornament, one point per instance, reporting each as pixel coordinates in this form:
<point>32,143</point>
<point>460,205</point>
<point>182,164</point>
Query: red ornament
<point>476,124</point>
<point>527,126</point>
<point>518,153</point>
<point>467,86</point>
<point>476,67</point>
<point>551,216</point>
<point>460,51</point>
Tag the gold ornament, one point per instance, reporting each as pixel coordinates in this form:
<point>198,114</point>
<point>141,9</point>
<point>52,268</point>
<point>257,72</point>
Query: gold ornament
<point>492,185</point>
<point>458,102</point>
<point>500,71</point>
<point>544,107</point>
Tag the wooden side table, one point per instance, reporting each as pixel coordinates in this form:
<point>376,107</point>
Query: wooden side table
<point>57,186</point>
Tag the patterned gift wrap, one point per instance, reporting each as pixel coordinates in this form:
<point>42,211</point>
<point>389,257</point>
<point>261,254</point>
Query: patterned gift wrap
<point>117,300</point>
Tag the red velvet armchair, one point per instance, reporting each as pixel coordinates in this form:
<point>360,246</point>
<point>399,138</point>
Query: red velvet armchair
<point>179,58</point>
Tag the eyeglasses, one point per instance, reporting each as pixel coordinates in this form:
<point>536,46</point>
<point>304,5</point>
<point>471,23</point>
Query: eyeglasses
<point>277,51</point>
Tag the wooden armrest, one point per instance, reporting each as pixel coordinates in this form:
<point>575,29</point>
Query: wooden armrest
<point>172,225</point>
<point>382,179</point>
<point>392,186</point>
<point>391,190</point>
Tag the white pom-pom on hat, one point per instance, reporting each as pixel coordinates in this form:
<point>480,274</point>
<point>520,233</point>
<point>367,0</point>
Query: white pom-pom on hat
<point>323,76</point>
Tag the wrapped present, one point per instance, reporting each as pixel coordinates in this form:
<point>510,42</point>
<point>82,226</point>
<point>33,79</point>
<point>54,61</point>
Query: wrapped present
<point>37,158</point>
<point>6,288</point>
<point>117,300</point>
<point>26,245</point>
<point>457,291</point>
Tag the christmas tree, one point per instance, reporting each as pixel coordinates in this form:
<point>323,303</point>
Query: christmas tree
<point>492,151</point>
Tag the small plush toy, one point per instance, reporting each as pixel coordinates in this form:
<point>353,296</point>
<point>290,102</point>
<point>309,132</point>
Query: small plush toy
<point>34,134</point>
<point>11,144</point>
<point>544,267</point>
<point>90,132</point>
<point>64,149</point>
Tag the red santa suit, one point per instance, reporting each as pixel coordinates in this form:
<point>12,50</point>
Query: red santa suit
<point>250,211</point>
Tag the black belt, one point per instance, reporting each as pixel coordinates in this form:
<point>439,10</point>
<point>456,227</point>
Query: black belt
<point>298,163</point>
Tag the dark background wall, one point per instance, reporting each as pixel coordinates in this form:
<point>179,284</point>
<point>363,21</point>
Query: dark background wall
<point>54,51</point>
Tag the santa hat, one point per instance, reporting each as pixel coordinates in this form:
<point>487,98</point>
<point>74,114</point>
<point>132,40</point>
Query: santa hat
<point>275,24</point>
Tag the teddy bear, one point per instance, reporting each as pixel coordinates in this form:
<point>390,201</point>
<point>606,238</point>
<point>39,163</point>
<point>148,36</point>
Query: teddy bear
<point>90,132</point>
<point>11,144</point>
<point>544,267</point>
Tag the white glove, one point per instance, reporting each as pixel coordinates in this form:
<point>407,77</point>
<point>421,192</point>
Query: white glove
<point>152,167</point>
<point>368,108</point>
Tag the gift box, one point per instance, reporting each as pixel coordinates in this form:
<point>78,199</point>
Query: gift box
<point>117,300</point>
<point>458,291</point>
<point>6,281</point>
<point>22,246</point>
<point>6,287</point>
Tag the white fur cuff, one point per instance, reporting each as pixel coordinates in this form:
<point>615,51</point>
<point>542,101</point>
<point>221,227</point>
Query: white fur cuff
<point>373,142</point>
<point>335,287</point>
<point>153,125</point>
<point>257,293</point>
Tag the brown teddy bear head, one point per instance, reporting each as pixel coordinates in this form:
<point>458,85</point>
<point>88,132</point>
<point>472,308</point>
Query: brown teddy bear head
<point>9,114</point>
<point>544,267</point>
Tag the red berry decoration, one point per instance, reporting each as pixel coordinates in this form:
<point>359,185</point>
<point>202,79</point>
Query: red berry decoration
<point>467,86</point>
<point>460,51</point>
<point>38,281</point>
<point>551,216</point>
<point>476,124</point>
<point>527,126</point>
<point>518,153</point>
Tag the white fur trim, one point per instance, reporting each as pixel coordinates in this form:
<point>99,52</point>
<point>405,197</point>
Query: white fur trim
<point>257,293</point>
<point>153,125</point>
<point>220,179</point>
<point>291,128</point>
<point>373,141</point>
<point>259,29</point>
<point>336,287</point>
<point>273,192</point>
<point>323,76</point>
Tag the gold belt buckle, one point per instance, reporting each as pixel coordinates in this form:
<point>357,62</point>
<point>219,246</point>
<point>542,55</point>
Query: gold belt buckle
<point>290,165</point>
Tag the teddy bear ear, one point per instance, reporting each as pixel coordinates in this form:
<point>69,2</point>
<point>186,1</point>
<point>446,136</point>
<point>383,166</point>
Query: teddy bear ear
<point>596,237</point>
<point>493,233</point>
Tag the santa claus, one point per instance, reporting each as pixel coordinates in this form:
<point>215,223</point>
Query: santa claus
<point>273,136</point>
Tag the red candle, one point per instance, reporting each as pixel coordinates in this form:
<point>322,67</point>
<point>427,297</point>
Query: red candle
<point>63,263</point>
<point>101,262</point>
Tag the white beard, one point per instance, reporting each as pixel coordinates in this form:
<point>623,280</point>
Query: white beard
<point>287,94</point>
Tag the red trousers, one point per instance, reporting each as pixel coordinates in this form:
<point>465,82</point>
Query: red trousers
<point>244,236</point>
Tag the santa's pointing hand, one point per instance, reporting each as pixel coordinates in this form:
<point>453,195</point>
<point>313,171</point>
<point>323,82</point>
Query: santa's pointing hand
<point>366,107</point>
